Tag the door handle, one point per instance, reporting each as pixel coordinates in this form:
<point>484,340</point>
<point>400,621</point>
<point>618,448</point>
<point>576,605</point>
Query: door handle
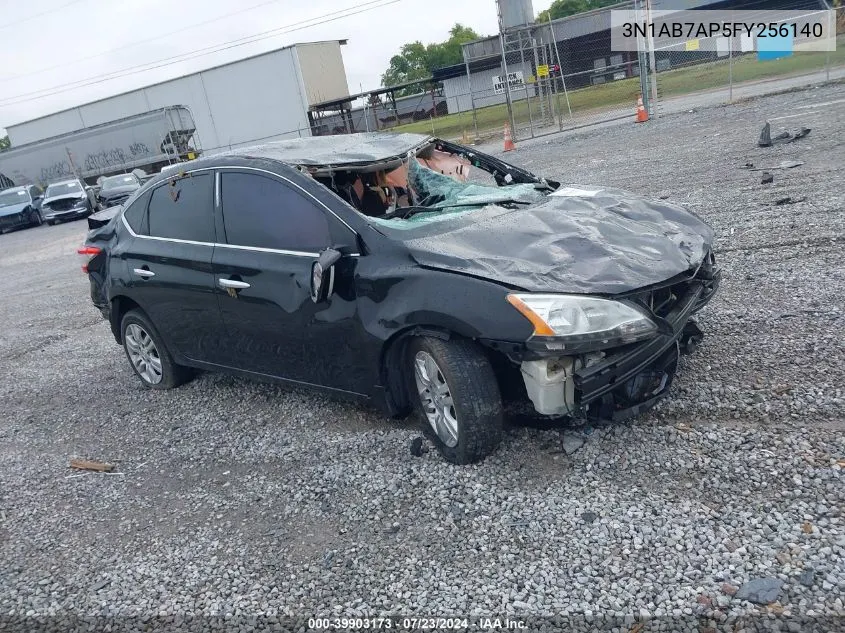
<point>226,284</point>
<point>144,272</point>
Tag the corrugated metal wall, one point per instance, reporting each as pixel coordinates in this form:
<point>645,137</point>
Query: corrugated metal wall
<point>258,99</point>
<point>323,73</point>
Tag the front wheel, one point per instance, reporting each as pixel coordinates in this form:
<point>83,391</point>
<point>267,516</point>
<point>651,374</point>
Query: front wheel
<point>148,354</point>
<point>457,397</point>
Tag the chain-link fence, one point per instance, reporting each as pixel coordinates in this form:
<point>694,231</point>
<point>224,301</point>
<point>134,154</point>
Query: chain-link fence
<point>703,71</point>
<point>566,74</point>
<point>548,79</point>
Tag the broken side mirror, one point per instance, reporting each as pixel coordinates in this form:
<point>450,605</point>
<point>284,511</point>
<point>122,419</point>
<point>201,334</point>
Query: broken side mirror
<point>322,275</point>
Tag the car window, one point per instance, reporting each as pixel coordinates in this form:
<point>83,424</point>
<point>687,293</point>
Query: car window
<point>136,214</point>
<point>183,209</point>
<point>262,212</point>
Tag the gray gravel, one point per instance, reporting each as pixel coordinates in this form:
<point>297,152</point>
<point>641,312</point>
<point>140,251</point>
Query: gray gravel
<point>242,499</point>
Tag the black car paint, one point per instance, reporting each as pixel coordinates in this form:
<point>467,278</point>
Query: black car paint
<point>353,342</point>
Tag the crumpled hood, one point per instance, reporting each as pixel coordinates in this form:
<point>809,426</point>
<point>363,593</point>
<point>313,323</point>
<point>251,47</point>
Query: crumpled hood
<point>67,196</point>
<point>576,240</point>
<point>13,208</point>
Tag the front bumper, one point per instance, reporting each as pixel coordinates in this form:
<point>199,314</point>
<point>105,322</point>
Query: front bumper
<point>617,383</point>
<point>14,221</point>
<point>632,380</point>
<point>70,214</point>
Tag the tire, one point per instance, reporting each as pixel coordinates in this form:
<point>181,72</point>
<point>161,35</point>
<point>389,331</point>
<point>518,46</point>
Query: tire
<point>148,355</point>
<point>471,428</point>
<point>50,222</point>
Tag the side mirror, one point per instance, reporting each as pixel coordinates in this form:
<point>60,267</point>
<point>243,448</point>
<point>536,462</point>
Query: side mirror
<point>322,275</point>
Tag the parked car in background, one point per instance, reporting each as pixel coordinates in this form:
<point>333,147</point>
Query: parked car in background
<point>371,265</point>
<point>114,190</point>
<point>66,200</point>
<point>103,217</point>
<point>20,207</point>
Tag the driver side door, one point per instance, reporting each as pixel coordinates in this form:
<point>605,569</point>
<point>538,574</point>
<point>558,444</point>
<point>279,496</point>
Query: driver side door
<point>274,232</point>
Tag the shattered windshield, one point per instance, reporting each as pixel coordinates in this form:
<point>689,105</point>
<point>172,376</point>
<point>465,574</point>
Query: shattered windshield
<point>436,183</point>
<point>8,198</point>
<point>439,197</point>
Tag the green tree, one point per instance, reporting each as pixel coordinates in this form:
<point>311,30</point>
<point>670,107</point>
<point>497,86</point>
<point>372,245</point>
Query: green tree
<point>4,142</point>
<point>416,60</point>
<point>564,8</point>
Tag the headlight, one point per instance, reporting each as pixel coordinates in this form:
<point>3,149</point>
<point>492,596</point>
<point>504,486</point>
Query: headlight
<point>80,203</point>
<point>579,319</point>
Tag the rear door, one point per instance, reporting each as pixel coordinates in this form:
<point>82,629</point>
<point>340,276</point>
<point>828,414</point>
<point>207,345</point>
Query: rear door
<point>274,231</point>
<point>169,263</point>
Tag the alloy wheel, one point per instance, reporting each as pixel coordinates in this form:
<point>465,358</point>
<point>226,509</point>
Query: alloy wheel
<point>436,397</point>
<point>143,353</point>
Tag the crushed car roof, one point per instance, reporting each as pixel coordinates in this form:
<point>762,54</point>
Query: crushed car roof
<point>363,148</point>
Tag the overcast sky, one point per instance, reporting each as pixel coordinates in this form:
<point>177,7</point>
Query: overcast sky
<point>55,44</point>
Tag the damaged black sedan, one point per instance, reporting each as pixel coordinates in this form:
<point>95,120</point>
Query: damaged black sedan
<point>408,271</point>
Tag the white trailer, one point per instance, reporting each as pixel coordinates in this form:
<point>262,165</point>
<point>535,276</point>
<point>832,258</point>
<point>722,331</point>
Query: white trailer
<point>146,141</point>
<point>252,100</point>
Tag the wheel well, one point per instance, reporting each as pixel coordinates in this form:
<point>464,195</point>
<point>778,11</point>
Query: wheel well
<point>393,370</point>
<point>120,305</point>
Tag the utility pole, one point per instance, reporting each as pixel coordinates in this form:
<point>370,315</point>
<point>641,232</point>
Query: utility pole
<point>505,64</point>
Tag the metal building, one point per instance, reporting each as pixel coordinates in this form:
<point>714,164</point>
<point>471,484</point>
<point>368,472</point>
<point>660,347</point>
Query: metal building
<point>259,98</point>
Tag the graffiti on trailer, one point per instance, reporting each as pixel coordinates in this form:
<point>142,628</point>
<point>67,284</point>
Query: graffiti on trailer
<point>105,159</point>
<point>59,169</point>
<point>139,149</point>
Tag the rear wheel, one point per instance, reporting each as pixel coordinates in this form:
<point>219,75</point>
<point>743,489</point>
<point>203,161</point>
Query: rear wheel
<point>148,355</point>
<point>457,397</point>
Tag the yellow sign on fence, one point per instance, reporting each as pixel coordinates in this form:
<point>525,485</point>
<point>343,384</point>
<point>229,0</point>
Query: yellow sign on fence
<point>543,70</point>
<point>692,45</point>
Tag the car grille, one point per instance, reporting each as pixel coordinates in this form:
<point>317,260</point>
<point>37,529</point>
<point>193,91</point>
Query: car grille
<point>63,205</point>
<point>662,301</point>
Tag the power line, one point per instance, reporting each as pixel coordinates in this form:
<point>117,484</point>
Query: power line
<point>38,15</point>
<point>139,42</point>
<point>168,61</point>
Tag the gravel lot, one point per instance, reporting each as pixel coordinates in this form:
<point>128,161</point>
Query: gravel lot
<point>237,498</point>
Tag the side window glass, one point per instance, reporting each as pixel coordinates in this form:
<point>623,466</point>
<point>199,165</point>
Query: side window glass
<point>136,214</point>
<point>262,212</point>
<point>183,209</point>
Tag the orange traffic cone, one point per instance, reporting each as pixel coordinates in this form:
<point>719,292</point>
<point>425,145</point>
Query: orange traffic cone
<point>642,115</point>
<point>509,145</point>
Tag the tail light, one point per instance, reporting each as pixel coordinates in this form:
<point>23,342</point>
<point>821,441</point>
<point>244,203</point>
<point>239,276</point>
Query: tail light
<point>88,253</point>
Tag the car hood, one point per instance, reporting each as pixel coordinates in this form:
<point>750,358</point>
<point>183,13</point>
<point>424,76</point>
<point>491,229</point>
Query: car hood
<point>13,208</point>
<point>117,191</point>
<point>67,196</point>
<point>576,240</point>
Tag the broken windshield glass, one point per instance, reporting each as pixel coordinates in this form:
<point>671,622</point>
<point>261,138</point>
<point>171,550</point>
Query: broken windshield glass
<point>438,196</point>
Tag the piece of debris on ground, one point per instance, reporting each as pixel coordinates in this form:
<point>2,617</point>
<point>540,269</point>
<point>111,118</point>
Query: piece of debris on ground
<point>87,464</point>
<point>767,140</point>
